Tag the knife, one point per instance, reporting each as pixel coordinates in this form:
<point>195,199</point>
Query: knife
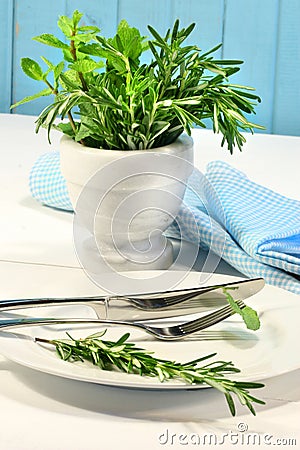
<point>149,305</point>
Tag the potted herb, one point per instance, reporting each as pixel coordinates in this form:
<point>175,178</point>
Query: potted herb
<point>111,102</point>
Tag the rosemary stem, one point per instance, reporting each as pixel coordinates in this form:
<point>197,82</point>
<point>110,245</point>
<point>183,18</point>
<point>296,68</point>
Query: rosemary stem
<point>44,341</point>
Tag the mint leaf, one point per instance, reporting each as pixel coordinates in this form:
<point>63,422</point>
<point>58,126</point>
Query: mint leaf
<point>92,49</point>
<point>84,132</point>
<point>83,38</point>
<point>49,39</point>
<point>48,63</point>
<point>32,69</point>
<point>90,28</point>
<point>128,41</point>
<point>43,93</point>
<point>69,80</point>
<point>58,70</point>
<point>85,65</point>
<point>66,128</point>
<point>250,318</point>
<point>66,25</point>
<point>249,315</point>
<point>67,55</point>
<point>76,17</point>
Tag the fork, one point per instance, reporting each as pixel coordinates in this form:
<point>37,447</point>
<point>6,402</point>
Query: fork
<point>174,332</point>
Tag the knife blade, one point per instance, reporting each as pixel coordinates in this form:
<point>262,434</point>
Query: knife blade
<point>145,306</point>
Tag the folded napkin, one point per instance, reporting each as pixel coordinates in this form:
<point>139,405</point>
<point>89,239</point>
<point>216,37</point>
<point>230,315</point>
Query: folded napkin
<point>265,224</point>
<point>47,184</point>
<point>254,229</point>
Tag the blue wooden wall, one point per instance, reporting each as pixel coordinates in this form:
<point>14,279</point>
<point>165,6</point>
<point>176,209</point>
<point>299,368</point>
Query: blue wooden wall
<point>264,33</point>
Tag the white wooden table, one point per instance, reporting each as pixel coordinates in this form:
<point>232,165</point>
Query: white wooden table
<point>40,411</point>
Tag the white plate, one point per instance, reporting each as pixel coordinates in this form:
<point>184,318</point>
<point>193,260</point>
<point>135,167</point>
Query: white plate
<point>267,352</point>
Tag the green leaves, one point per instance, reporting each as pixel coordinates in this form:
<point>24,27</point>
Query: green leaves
<point>124,104</point>
<point>32,69</point>
<point>69,24</point>
<point>92,49</point>
<point>49,39</point>
<point>127,357</point>
<point>77,16</point>
<point>128,41</point>
<point>85,65</point>
<point>123,51</point>
<point>30,98</point>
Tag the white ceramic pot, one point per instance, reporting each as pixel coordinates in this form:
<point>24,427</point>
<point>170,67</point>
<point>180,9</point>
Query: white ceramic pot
<point>126,200</point>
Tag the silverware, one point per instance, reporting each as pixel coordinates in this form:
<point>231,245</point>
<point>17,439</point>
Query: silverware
<point>149,305</point>
<point>173,332</point>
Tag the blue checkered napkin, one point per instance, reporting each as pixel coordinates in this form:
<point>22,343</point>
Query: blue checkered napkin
<point>196,225</point>
<point>47,184</point>
<point>207,217</point>
<point>265,224</point>
<point>217,212</point>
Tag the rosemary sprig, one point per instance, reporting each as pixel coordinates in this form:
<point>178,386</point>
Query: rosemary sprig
<point>128,358</point>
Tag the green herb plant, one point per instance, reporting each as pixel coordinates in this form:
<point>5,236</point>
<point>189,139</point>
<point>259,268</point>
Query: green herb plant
<point>121,103</point>
<point>128,358</point>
